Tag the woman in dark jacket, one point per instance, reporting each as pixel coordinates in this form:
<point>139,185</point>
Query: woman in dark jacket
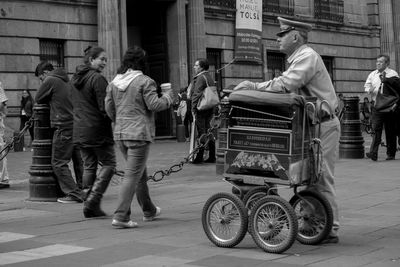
<point>92,129</point>
<point>26,111</point>
<point>203,117</point>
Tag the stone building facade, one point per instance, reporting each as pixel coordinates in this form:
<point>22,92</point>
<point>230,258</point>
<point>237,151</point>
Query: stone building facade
<point>176,32</point>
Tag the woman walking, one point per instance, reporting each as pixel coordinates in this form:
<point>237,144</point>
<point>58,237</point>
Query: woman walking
<point>131,102</point>
<point>92,129</point>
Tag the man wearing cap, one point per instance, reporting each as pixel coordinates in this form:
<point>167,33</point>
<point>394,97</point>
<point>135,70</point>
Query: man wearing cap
<point>308,76</point>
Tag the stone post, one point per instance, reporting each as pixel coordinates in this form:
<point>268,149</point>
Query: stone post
<point>197,32</point>
<point>42,183</point>
<point>112,33</point>
<point>351,140</point>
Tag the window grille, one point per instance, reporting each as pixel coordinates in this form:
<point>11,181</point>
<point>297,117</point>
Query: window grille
<point>275,64</point>
<point>329,10</point>
<point>52,50</point>
<point>214,61</point>
<point>282,7</point>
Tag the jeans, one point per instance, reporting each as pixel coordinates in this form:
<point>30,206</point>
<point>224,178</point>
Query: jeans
<point>3,163</point>
<point>62,151</point>
<point>329,135</point>
<point>78,165</point>
<point>135,181</point>
<point>92,157</point>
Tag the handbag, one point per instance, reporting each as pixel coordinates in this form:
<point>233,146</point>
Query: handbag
<point>386,103</point>
<point>209,98</point>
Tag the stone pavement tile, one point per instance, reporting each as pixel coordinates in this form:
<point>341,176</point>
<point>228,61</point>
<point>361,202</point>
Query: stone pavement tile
<point>309,257</point>
<point>149,261</point>
<point>195,252</point>
<point>21,245</point>
<point>348,261</point>
<point>225,260</point>
<point>21,214</point>
<point>384,263</point>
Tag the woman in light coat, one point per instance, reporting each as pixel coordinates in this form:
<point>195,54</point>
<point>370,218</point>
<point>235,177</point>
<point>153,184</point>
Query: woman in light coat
<point>131,102</point>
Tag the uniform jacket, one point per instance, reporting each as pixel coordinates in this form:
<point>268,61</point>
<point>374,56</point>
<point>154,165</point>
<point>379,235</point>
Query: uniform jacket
<point>92,126</point>
<point>307,76</point>
<point>56,92</point>
<point>131,102</point>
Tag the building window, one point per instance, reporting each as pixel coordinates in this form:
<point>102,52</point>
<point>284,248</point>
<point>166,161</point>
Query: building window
<point>328,61</point>
<point>214,60</point>
<point>283,7</point>
<point>275,64</point>
<point>52,50</point>
<point>331,10</point>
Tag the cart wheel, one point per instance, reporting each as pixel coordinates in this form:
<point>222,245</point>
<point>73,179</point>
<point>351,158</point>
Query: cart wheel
<point>273,224</point>
<point>314,215</point>
<point>251,197</point>
<point>224,220</point>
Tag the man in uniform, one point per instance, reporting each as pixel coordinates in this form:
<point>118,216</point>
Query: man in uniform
<point>308,76</point>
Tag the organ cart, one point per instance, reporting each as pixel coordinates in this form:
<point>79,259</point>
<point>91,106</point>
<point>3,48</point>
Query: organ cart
<point>267,141</point>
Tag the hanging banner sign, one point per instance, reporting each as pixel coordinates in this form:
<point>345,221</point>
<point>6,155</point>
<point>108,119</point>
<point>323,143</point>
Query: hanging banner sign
<point>248,30</point>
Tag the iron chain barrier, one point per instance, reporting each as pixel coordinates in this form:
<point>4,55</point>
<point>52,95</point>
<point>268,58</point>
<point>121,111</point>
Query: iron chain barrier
<point>9,146</point>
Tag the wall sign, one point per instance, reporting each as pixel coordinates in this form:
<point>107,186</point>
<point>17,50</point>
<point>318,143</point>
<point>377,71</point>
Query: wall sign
<point>248,30</point>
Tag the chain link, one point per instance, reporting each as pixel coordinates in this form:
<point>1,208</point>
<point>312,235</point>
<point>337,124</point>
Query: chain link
<point>8,147</point>
<point>203,141</point>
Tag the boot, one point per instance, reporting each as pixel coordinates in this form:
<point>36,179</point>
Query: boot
<point>199,157</point>
<point>87,183</point>
<point>91,207</point>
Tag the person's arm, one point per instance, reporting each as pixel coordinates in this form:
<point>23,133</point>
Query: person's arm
<point>151,99</point>
<point>45,92</point>
<point>3,100</point>
<point>199,87</point>
<point>100,85</point>
<point>300,72</point>
<point>368,84</point>
<point>109,103</point>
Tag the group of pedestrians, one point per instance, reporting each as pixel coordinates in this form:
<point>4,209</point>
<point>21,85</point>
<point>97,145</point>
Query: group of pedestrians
<point>82,111</point>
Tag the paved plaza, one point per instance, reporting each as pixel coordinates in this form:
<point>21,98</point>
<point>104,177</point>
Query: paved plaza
<point>54,234</point>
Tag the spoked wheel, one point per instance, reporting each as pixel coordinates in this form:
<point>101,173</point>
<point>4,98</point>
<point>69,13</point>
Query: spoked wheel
<point>273,224</point>
<point>224,220</point>
<point>251,197</point>
<point>314,216</point>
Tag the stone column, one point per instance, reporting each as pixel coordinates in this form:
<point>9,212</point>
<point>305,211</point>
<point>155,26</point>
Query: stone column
<point>197,33</point>
<point>387,30</point>
<point>396,25</point>
<point>112,33</point>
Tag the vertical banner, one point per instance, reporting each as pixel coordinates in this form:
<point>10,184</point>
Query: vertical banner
<point>248,30</point>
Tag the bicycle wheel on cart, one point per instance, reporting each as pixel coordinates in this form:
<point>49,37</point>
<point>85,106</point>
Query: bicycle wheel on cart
<point>273,224</point>
<point>224,220</point>
<point>314,216</point>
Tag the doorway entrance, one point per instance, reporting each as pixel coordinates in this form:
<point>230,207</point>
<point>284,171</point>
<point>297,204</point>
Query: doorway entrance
<point>146,27</point>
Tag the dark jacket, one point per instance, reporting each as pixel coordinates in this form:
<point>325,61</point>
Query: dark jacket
<point>391,86</point>
<point>56,92</point>
<point>27,106</point>
<point>92,126</point>
<point>200,84</point>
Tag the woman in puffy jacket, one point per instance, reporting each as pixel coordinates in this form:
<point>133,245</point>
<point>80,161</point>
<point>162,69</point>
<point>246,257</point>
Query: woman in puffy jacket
<point>92,129</point>
<point>131,102</point>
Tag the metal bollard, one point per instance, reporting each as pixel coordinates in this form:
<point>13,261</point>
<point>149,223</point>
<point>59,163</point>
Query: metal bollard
<point>42,183</point>
<point>351,143</point>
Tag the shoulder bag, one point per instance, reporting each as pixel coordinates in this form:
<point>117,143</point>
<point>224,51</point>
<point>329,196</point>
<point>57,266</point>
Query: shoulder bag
<point>209,98</point>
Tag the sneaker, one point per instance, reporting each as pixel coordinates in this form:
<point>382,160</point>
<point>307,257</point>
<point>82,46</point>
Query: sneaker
<point>151,218</point>
<point>121,225</point>
<point>4,185</point>
<point>69,200</point>
<point>330,240</point>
